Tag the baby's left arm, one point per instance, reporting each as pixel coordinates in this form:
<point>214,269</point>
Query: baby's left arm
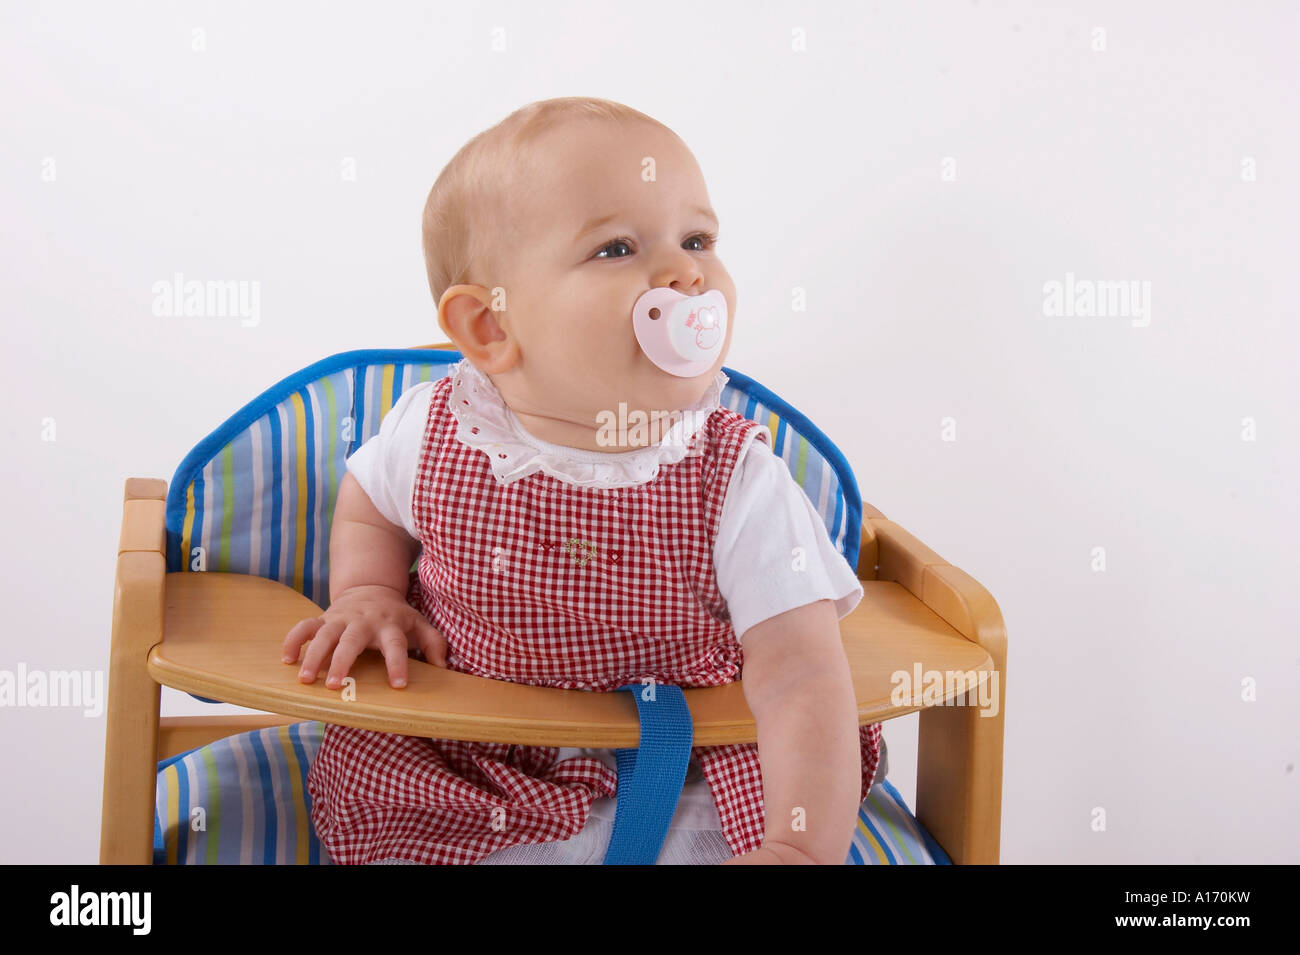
<point>798,686</point>
<point>787,587</point>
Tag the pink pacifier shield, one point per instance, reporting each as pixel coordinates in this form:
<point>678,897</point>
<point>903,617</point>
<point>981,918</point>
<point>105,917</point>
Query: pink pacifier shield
<point>682,334</point>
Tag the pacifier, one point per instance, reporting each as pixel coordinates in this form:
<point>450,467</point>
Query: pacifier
<point>682,334</point>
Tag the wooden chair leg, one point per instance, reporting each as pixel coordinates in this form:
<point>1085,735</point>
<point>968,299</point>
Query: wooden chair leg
<point>959,755</point>
<point>959,782</point>
<point>131,746</point>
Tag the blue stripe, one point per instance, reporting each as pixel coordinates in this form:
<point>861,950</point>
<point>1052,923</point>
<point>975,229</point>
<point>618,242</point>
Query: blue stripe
<point>268,798</point>
<point>836,529</point>
<point>182,811</point>
<point>358,408</point>
<point>269,530</point>
<point>300,750</point>
<point>778,441</point>
<point>232,809</point>
<point>399,369</point>
<point>855,857</point>
<point>309,467</point>
<point>273,562</point>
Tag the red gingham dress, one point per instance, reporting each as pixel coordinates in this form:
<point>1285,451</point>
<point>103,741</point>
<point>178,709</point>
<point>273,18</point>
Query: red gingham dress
<point>553,584</point>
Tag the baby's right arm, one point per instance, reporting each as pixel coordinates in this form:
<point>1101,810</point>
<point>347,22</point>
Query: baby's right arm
<point>370,560</point>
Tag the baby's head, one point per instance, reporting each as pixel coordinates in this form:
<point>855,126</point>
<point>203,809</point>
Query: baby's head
<point>539,237</point>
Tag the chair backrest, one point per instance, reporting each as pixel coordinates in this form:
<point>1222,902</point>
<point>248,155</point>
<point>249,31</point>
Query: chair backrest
<point>256,496</point>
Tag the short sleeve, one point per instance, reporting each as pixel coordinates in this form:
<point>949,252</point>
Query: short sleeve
<point>385,465</point>
<point>772,553</point>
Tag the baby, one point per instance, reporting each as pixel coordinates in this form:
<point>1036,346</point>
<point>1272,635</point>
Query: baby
<point>551,554</point>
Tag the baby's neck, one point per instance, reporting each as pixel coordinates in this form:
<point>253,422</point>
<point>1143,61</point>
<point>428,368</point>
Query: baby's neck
<point>612,438</point>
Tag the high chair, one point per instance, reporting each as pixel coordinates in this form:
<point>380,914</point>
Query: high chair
<point>214,570</point>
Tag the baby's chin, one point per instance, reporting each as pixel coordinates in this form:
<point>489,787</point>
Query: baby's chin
<point>657,391</point>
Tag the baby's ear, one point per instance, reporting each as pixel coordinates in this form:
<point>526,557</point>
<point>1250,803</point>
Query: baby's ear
<point>466,316</point>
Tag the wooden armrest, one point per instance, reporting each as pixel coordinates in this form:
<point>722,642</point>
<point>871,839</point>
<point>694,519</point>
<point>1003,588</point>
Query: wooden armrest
<point>223,634</point>
<point>950,592</point>
<point>143,520</point>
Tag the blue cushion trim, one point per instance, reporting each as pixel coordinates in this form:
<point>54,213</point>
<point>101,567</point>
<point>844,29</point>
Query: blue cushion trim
<point>815,436</point>
<point>651,775</point>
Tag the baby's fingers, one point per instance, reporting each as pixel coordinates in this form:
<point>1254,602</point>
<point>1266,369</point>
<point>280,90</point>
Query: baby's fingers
<point>302,631</point>
<point>392,642</point>
<point>318,650</point>
<point>431,642</point>
<point>355,639</point>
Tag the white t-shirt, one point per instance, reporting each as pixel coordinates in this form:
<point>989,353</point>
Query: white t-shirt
<point>765,515</point>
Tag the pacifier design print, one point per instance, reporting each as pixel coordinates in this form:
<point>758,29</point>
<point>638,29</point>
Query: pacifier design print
<point>682,334</point>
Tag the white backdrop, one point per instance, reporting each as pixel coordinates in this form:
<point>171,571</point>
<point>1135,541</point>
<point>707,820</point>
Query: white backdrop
<point>1123,483</point>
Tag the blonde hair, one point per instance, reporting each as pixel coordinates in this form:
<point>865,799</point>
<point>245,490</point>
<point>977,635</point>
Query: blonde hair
<point>465,215</point>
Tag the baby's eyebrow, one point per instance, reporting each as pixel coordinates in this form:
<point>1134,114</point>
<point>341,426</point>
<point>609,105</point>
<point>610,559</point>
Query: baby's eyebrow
<point>593,224</point>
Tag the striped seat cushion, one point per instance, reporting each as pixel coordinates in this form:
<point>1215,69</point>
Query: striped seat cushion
<point>243,800</point>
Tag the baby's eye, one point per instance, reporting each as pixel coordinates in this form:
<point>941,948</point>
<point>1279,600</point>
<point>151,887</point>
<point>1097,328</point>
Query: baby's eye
<point>705,239</point>
<point>614,245</point>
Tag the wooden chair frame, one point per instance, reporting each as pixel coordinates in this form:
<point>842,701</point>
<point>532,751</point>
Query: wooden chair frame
<point>218,636</point>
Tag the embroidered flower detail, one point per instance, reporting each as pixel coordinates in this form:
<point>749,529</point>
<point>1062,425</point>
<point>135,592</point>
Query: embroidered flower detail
<point>573,547</point>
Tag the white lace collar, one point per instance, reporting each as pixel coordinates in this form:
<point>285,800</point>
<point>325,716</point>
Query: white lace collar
<point>485,422</point>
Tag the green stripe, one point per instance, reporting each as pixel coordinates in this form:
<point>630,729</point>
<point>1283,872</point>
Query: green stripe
<point>214,806</point>
<point>803,460</point>
<point>227,505</point>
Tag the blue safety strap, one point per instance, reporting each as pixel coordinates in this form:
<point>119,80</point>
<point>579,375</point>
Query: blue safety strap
<point>650,776</point>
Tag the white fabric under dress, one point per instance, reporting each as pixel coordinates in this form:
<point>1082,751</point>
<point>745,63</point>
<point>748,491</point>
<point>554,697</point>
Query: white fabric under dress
<point>694,835</point>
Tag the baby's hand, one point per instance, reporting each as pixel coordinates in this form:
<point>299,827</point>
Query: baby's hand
<point>362,618</point>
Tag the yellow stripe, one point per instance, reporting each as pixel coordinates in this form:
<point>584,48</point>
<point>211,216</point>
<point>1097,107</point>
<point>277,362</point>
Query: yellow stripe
<point>172,819</point>
<point>386,391</point>
<point>773,422</point>
<point>299,802</point>
<point>871,840</point>
<point>187,530</point>
<point>300,548</point>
